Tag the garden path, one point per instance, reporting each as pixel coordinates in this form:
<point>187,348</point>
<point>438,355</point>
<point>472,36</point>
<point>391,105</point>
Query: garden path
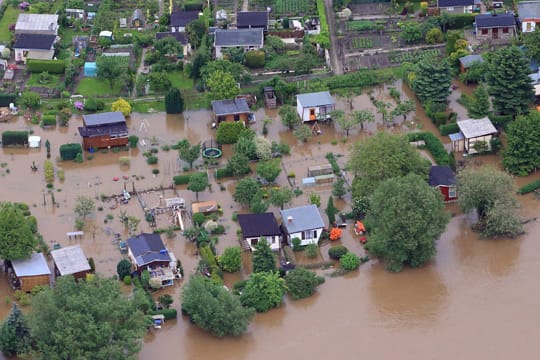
<point>139,70</point>
<point>334,47</point>
<point>245,5</point>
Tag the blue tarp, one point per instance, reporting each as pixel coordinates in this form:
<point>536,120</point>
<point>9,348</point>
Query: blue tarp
<point>90,69</point>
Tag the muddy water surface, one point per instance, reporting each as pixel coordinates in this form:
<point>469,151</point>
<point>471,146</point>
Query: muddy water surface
<point>476,299</point>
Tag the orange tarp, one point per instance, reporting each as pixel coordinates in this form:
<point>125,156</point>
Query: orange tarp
<point>359,227</point>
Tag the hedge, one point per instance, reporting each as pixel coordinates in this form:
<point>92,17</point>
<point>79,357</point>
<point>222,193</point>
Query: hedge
<point>70,151</point>
<point>228,132</point>
<point>48,120</point>
<point>6,99</point>
<point>51,66</point>
<point>359,79</point>
<point>459,21</point>
<point>530,187</point>
<point>223,173</point>
<point>184,179</point>
<point>500,120</point>
<point>255,59</point>
<point>448,129</point>
<point>14,138</point>
<point>168,313</point>
<point>433,145</point>
<point>193,6</point>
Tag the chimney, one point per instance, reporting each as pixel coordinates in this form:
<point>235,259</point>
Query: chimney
<point>289,219</point>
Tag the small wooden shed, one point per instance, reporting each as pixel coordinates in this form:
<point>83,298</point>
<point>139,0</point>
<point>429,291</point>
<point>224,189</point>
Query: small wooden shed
<point>31,272</point>
<point>71,261</point>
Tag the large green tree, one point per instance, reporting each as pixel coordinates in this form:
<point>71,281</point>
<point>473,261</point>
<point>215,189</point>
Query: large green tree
<point>522,153</point>
<point>85,320</point>
<point>488,191</point>
<point>263,291</point>
<point>198,182</point>
<point>189,153</point>
<point>222,85</point>
<point>380,157</point>
<point>109,69</point>
<point>15,334</point>
<point>264,259</point>
<point>16,238</point>
<point>269,170</point>
<point>508,80</point>
<point>236,70</point>
<point>406,218</point>
<point>214,309</point>
<point>246,190</point>
<point>432,79</point>
<point>348,121</point>
<point>301,283</point>
<point>532,43</point>
<point>281,196</point>
<point>480,106</point>
<point>289,117</point>
<point>84,205</point>
<point>174,103</point>
<point>238,165</point>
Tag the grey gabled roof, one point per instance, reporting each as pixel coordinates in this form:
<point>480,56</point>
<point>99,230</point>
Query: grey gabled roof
<point>301,218</point>
<point>441,175</point>
<point>183,18</point>
<point>107,118</point>
<point>495,20</point>
<point>148,248</point>
<point>315,99</point>
<point>36,22</point>
<point>230,107</point>
<point>239,37</point>
<point>31,266</point>
<point>529,9</point>
<point>472,128</point>
<point>252,18</point>
<point>256,225</point>
<point>468,60</point>
<point>70,260</point>
<point>34,41</point>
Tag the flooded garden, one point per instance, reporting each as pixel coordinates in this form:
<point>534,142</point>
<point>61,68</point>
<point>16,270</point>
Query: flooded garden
<point>463,304</point>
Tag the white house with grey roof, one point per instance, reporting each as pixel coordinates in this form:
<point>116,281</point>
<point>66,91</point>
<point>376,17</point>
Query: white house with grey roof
<point>45,24</point>
<point>315,106</point>
<point>529,15</point>
<point>470,132</point>
<point>246,39</point>
<point>304,223</point>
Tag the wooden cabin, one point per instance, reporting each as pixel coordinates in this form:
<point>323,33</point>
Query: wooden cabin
<point>30,272</point>
<point>71,260</point>
<point>104,130</point>
<point>231,110</point>
<point>443,179</point>
<point>270,97</point>
<point>315,106</point>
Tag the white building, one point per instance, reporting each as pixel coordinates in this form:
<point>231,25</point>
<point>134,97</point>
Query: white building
<point>304,223</point>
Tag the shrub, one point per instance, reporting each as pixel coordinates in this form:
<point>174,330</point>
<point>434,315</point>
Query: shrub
<point>184,179</point>
<point>228,132</point>
<point>124,160</point>
<point>349,261</point>
<point>530,187</point>
<point>335,234</point>
<point>51,66</point>
<point>433,145</point>
<point>6,99</point>
<point>14,138</point>
<point>70,151</point>
<point>500,120</point>
<point>224,172</point>
<point>231,260</point>
<point>255,59</point>
<point>448,129</point>
<point>168,313</point>
<point>151,160</point>
<point>198,219</point>
<point>123,268</point>
<point>296,244</point>
<point>92,104</point>
<point>127,280</point>
<point>312,251</point>
<point>48,120</point>
<point>133,141</point>
<point>336,252</point>
<point>301,283</point>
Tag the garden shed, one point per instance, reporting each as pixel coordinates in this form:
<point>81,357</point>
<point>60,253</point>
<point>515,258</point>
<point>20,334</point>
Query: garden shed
<point>30,272</point>
<point>471,132</point>
<point>71,260</point>
<point>90,69</point>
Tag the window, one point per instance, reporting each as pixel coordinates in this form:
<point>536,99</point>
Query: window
<point>236,117</point>
<point>310,234</point>
<point>452,192</point>
<point>506,30</point>
<point>273,239</point>
<point>484,31</point>
<point>254,241</point>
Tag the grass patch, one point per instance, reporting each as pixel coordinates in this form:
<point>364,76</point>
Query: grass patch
<point>51,84</point>
<point>10,17</point>
<point>148,106</point>
<point>179,80</point>
<point>94,87</point>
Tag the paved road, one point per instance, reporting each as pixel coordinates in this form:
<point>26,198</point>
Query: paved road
<point>337,66</point>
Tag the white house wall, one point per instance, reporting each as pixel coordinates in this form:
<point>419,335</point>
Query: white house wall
<point>314,240</point>
<point>273,241</point>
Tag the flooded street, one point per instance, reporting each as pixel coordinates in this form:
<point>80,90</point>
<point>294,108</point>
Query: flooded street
<point>478,299</point>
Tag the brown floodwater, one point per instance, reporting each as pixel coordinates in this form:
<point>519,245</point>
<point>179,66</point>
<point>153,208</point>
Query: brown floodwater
<point>476,299</point>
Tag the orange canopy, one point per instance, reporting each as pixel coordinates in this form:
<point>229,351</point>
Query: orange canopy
<point>360,226</point>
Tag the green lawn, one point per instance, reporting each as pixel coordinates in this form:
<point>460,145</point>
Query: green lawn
<point>179,80</point>
<point>34,81</point>
<point>94,87</point>
<point>10,17</point>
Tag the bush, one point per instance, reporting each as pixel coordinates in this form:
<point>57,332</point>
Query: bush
<point>336,252</point>
<point>228,132</point>
<point>439,118</point>
<point>168,313</point>
<point>48,120</point>
<point>123,268</point>
<point>500,120</point>
<point>70,151</point>
<point>50,66</point>
<point>184,179</point>
<point>433,145</point>
<point>14,138</point>
<point>459,21</point>
<point>530,187</point>
<point>349,261</point>
<point>224,172</point>
<point>133,141</point>
<point>312,251</point>
<point>6,99</point>
<point>296,244</point>
<point>127,280</point>
<point>448,129</point>
<point>93,104</point>
<point>151,160</point>
<point>198,219</point>
<point>255,59</point>
<point>231,260</point>
<point>301,283</point>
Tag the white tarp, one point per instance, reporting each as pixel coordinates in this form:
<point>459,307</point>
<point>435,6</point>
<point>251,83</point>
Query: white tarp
<point>34,141</point>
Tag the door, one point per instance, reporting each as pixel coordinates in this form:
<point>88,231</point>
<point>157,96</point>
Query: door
<point>495,33</point>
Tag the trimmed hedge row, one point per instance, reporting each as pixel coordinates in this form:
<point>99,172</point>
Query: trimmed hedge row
<point>14,138</point>
<point>70,151</point>
<point>51,66</point>
<point>500,120</point>
<point>184,179</point>
<point>168,313</point>
<point>449,129</point>
<point>530,187</point>
<point>6,99</point>
<point>433,145</point>
<point>48,120</point>
<point>223,173</point>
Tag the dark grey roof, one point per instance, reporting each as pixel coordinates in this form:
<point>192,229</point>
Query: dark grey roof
<point>529,9</point>
<point>495,20</point>
<point>468,60</point>
<point>108,129</point>
<point>106,118</point>
<point>441,175</point>
<point>254,225</point>
<point>452,3</point>
<point>182,18</point>
<point>315,99</point>
<point>302,218</point>
<point>34,41</point>
<point>181,37</point>
<point>245,19</point>
<point>239,37</point>
<point>148,248</point>
<point>137,14</point>
<point>229,107</point>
